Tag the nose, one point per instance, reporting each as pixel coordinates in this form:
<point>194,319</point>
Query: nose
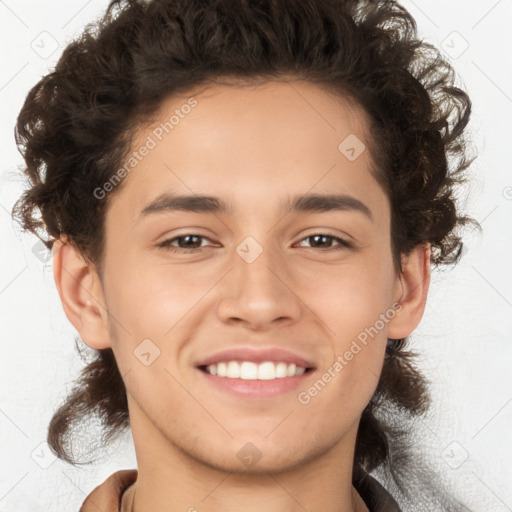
<point>259,292</point>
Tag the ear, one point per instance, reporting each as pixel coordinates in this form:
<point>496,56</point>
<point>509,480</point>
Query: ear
<point>81,294</point>
<point>412,289</point>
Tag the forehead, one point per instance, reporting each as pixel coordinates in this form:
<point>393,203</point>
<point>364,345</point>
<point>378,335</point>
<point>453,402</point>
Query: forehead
<point>248,142</point>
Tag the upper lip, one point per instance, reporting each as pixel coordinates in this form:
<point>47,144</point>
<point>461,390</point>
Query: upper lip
<point>256,355</point>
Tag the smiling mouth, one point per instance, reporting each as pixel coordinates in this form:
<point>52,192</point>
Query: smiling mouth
<point>248,370</point>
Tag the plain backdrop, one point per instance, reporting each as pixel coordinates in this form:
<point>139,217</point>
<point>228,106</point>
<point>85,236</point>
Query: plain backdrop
<point>464,340</point>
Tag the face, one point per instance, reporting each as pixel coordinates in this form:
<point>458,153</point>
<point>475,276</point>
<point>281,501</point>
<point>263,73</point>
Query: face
<point>192,287</point>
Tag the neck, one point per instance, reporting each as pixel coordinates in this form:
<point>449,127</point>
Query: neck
<point>172,480</point>
<point>173,491</point>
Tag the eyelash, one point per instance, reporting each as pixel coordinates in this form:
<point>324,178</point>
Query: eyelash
<point>343,244</point>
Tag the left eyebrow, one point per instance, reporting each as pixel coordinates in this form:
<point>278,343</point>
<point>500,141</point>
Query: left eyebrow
<point>307,203</point>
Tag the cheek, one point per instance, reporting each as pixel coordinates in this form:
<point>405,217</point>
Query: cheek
<point>152,309</point>
<point>347,298</point>
<point>356,306</point>
<point>149,298</point>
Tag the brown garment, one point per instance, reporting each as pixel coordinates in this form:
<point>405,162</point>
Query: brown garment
<point>117,492</point>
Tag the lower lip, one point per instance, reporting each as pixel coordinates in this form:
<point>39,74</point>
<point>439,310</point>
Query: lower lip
<point>257,388</point>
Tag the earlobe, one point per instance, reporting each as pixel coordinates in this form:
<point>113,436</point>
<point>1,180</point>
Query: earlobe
<point>81,294</point>
<point>414,283</point>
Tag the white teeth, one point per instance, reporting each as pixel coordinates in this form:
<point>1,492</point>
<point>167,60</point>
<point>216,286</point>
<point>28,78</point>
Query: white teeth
<point>248,370</point>
<point>266,371</point>
<point>221,370</point>
<point>281,370</point>
<point>233,371</point>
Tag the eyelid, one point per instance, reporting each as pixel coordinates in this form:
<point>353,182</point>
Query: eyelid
<point>165,243</point>
<point>342,242</point>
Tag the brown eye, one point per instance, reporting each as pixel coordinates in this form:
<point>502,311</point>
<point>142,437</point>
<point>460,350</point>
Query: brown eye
<point>188,242</point>
<point>324,241</point>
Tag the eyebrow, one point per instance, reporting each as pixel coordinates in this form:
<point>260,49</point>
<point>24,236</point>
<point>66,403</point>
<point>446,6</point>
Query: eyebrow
<point>307,203</point>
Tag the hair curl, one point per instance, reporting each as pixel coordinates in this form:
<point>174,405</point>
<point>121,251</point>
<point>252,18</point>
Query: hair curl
<point>77,123</point>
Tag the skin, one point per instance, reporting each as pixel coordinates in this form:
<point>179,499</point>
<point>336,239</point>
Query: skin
<point>255,147</point>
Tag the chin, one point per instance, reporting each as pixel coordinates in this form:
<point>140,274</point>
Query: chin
<point>255,455</point>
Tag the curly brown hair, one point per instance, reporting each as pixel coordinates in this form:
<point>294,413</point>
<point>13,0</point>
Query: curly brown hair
<point>78,121</point>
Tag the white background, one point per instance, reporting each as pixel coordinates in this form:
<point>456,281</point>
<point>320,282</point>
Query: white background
<point>465,338</point>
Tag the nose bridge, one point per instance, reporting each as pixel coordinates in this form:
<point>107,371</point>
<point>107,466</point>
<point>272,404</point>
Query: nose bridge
<point>255,267</point>
<point>257,291</point>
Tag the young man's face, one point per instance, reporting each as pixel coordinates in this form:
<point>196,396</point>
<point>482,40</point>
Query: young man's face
<point>260,280</point>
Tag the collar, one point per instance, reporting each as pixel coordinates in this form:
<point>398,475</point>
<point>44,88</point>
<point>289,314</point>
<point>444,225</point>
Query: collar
<point>375,496</point>
<point>117,492</point>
